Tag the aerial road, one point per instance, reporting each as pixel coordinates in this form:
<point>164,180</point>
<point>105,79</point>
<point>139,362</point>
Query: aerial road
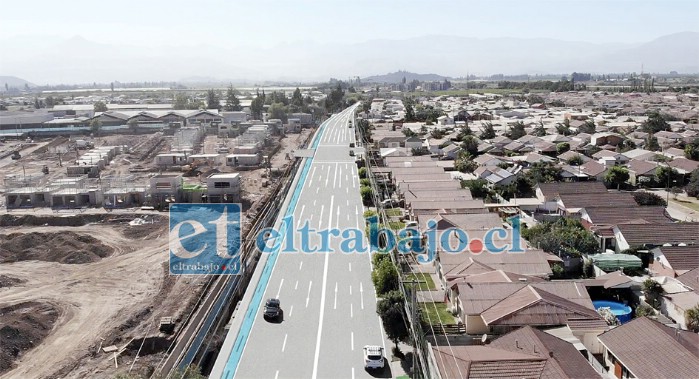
<point>328,303</point>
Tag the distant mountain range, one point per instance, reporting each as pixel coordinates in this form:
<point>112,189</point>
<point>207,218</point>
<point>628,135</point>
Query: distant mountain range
<point>43,59</point>
<point>398,76</point>
<point>13,82</point>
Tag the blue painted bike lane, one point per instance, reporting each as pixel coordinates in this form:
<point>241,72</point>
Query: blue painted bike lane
<point>246,326</point>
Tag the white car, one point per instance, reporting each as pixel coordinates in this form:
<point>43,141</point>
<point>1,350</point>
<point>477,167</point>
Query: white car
<point>373,357</point>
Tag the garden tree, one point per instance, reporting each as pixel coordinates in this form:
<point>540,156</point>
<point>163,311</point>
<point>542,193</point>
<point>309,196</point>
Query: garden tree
<point>362,172</point>
<point>557,271</point>
<point>111,86</point>
<point>653,292</point>
<point>543,172</point>
<point>479,188</point>
<point>520,187</point>
<point>562,147</point>
<point>181,101</point>
<point>626,145</point>
<point>644,311</point>
<point>692,187</point>
<point>563,128</point>
<point>385,277</point>
<point>391,309</point>
<point>470,145</point>
<point>463,163</point>
<point>691,319</point>
<point>409,111</point>
<point>232,101</point>
<point>408,132</point>
<point>95,126</point>
<point>588,127</point>
<point>464,131</point>
<point>437,133</point>
<point>539,130</point>
<point>100,106</point>
<point>655,123</point>
<point>50,102</point>
<point>415,151</point>
<point>257,107</point>
<point>575,160</point>
<point>617,175</point>
<point>213,100</point>
<point>666,176</point>
<point>488,131</point>
<point>133,124</point>
<point>423,130</point>
<point>563,237</point>
<point>277,111</point>
<point>297,98</point>
<point>691,150</point>
<point>364,129</point>
<point>517,131</point>
<point>367,195</point>
<point>652,143</point>
<point>535,99</point>
<point>366,105</point>
<point>648,198</point>
<point>334,100</point>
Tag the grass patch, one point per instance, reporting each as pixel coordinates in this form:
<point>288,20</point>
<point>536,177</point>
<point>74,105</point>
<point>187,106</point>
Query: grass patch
<point>396,225</point>
<point>687,204</point>
<point>438,315</point>
<point>424,281</point>
<point>394,212</point>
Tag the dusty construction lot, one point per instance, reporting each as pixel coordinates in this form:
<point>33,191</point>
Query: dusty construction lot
<point>73,282</point>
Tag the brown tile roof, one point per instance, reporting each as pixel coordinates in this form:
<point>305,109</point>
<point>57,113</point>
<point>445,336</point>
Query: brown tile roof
<point>659,234</point>
<point>649,349</point>
<point>682,257</point>
<point>563,359</point>
<point>533,262</point>
<point>477,362</point>
<point>612,216</point>
<point>582,324</point>
<point>533,306</point>
<point>690,279</point>
<point>592,200</point>
<point>474,221</point>
<point>684,164</point>
<point>551,190</point>
<point>640,167</point>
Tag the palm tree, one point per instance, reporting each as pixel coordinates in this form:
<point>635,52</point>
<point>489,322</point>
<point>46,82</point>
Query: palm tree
<point>691,319</point>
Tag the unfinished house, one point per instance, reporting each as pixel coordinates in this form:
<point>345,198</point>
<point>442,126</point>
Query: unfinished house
<point>223,188</point>
<point>73,193</point>
<point>122,192</point>
<point>26,191</point>
<point>165,189</point>
<point>93,161</point>
<point>187,138</point>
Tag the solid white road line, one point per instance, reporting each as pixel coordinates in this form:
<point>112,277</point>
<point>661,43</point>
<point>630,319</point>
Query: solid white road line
<point>284,344</point>
<point>352,340</point>
<point>308,297</point>
<point>352,373</point>
<point>322,303</point>
<point>277,374</point>
<point>351,310</point>
<point>291,310</point>
<point>303,207</point>
<point>334,176</point>
<point>281,283</point>
<point>320,219</point>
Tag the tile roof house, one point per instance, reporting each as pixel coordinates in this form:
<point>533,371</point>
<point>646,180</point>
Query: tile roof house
<point>524,353</point>
<point>652,235</point>
<point>501,307</point>
<point>683,166</point>
<point>641,169</point>
<point>675,260</point>
<point>643,348</point>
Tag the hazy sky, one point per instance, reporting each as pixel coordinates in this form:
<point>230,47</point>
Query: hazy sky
<point>266,23</point>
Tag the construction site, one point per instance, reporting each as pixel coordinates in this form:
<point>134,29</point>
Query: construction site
<point>84,284</point>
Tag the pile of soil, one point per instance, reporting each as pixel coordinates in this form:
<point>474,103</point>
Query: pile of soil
<point>8,281</point>
<point>64,247</point>
<point>147,230</point>
<point>22,327</point>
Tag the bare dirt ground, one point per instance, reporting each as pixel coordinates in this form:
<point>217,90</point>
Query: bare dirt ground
<point>118,286</point>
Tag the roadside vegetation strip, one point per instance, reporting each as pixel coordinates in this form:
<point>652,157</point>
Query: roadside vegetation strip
<point>424,281</point>
<point>246,326</point>
<point>437,312</point>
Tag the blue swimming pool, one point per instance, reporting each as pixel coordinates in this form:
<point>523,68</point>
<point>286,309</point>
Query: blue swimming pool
<point>621,311</point>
